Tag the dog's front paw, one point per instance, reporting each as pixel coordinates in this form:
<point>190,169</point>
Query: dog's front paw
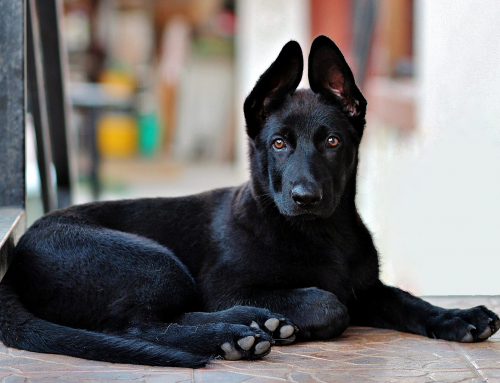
<point>470,325</point>
<point>247,343</point>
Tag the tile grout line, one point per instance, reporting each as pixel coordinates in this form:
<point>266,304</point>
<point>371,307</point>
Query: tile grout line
<point>471,363</point>
<point>198,378</point>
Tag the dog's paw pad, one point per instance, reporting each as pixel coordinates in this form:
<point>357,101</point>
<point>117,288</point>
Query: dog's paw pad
<point>262,347</point>
<point>272,324</point>
<point>281,329</point>
<point>230,353</point>
<point>243,342</point>
<point>247,342</point>
<point>485,334</point>
<point>286,331</point>
<point>469,338</point>
<point>490,329</point>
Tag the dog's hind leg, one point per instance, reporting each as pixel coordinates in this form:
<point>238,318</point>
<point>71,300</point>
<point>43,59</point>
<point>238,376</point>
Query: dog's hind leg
<point>120,284</point>
<point>230,341</point>
<point>21,329</point>
<point>83,276</point>
<point>272,323</point>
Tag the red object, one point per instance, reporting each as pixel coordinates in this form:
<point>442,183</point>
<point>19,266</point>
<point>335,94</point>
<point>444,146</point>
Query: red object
<point>333,19</point>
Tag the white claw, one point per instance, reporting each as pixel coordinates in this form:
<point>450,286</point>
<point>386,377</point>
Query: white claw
<point>486,333</point>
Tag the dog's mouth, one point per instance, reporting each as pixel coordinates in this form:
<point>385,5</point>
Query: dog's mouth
<point>306,216</point>
<point>298,214</point>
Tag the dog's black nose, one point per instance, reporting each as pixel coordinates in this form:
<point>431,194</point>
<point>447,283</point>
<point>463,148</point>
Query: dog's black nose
<point>306,197</point>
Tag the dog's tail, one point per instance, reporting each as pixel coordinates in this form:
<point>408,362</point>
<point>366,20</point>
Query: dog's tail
<point>21,329</point>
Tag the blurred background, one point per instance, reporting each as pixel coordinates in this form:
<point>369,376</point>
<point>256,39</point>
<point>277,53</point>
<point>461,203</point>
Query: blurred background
<point>157,88</point>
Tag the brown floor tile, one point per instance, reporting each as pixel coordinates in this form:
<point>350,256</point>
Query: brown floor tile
<point>361,354</point>
<point>216,376</point>
<point>483,355</point>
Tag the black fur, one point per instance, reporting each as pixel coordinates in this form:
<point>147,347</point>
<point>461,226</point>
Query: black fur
<point>177,281</point>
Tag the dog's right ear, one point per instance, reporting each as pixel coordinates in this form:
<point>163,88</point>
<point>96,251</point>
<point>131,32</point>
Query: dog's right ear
<point>280,79</point>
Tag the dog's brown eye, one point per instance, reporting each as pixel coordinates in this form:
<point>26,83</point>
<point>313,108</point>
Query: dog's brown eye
<point>279,143</point>
<point>333,141</point>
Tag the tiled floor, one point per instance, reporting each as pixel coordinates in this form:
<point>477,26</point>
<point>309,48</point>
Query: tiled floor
<point>359,355</point>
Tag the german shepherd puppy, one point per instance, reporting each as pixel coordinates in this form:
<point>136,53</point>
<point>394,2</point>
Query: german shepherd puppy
<point>284,257</point>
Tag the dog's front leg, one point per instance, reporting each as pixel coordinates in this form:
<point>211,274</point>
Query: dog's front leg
<point>317,313</point>
<point>389,307</point>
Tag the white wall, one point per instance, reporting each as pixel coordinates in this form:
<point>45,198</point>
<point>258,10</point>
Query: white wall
<point>263,27</point>
<point>433,198</point>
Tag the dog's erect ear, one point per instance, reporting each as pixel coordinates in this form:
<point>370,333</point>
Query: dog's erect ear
<point>330,76</point>
<point>280,79</point>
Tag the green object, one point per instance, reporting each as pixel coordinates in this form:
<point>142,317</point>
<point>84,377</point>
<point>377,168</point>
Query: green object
<point>149,134</point>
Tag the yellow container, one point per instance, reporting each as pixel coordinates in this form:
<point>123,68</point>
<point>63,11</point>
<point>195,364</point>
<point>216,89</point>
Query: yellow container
<point>117,135</point>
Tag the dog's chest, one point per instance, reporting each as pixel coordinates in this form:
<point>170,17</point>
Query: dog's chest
<point>288,265</point>
<point>316,265</point>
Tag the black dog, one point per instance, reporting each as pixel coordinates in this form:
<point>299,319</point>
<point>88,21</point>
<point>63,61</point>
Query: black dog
<point>178,281</point>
